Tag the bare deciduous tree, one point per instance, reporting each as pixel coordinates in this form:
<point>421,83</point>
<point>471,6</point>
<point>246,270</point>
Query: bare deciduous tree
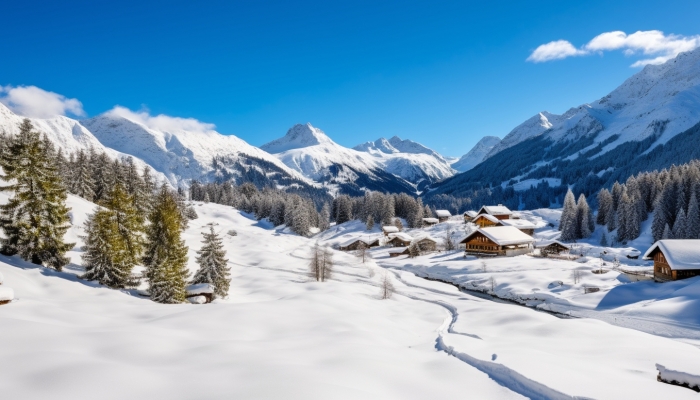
<point>576,274</point>
<point>448,242</point>
<point>387,286</point>
<point>493,283</point>
<point>321,262</point>
<point>362,252</point>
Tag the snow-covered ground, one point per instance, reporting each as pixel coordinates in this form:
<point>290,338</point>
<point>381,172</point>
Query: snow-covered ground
<point>280,335</point>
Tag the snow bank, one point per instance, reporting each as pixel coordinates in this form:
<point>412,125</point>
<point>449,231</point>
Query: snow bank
<point>6,294</point>
<point>200,288</point>
<point>681,378</point>
<point>1,279</point>
<point>197,299</point>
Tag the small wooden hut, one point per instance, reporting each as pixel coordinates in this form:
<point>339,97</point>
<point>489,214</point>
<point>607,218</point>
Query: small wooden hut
<point>500,211</point>
<point>200,293</point>
<point>399,239</point>
<point>398,252</point>
<point>552,247</point>
<point>498,241</point>
<point>354,244</point>
<point>443,215</point>
<point>430,221</point>
<point>389,229</point>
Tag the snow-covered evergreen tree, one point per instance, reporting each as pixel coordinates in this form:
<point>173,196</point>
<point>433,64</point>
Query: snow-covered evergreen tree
<point>165,257</point>
<point>680,227</point>
<point>36,217</point>
<point>568,224</point>
<point>370,222</point>
<point>693,220</point>
<point>114,240</point>
<point>82,183</point>
<point>584,218</point>
<point>213,265</point>
<point>604,206</point>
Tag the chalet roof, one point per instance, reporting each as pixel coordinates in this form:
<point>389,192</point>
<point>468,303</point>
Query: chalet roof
<point>399,250</point>
<point>489,217</point>
<point>443,213</point>
<point>423,237</point>
<point>390,229</point>
<point>431,220</point>
<point>545,243</point>
<point>200,288</point>
<point>518,223</point>
<point>358,239</point>
<point>471,213</point>
<point>503,235</point>
<point>495,210</point>
<point>680,254</point>
<point>401,235</point>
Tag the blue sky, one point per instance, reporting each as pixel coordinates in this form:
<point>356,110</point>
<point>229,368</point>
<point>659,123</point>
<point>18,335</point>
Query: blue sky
<point>442,74</point>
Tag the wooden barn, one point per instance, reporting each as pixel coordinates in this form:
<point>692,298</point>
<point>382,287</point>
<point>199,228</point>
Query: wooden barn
<point>425,243</point>
<point>525,226</point>
<point>354,244</point>
<point>399,239</point>
<point>389,229</point>
<point>430,221</point>
<point>398,252</point>
<point>500,211</point>
<point>675,259</point>
<point>552,247</point>
<point>498,241</point>
<point>443,215</point>
<point>469,216</point>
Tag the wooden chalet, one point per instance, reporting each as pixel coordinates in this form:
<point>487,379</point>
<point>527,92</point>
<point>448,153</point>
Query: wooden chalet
<point>486,220</point>
<point>675,259</point>
<point>425,243</point>
<point>388,229</point>
<point>552,247</point>
<point>443,215</point>
<point>469,216</point>
<point>505,241</point>
<point>354,244</point>
<point>430,221</point>
<point>500,211</point>
<point>399,239</point>
<point>398,252</point>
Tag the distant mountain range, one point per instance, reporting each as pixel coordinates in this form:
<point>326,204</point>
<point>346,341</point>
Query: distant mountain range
<point>649,122</point>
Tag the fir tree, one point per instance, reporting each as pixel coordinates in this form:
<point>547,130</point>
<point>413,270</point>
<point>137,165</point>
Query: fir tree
<point>668,234</point>
<point>36,217</point>
<point>82,183</point>
<point>324,218</point>
<point>604,240</point>
<point>569,219</point>
<point>165,257</point>
<point>680,227</point>
<point>213,266</point>
<point>604,206</point>
<point>370,222</point>
<point>113,241</point>
<point>584,218</point>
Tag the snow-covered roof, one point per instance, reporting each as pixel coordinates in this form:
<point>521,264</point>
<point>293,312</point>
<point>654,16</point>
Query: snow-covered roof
<point>495,210</point>
<point>545,243</point>
<point>390,229</point>
<point>401,235</point>
<point>398,250</point>
<point>489,217</point>
<point>443,213</point>
<point>518,223</point>
<point>200,288</point>
<point>6,294</point>
<point>471,213</point>
<point>681,254</point>
<point>503,235</point>
<point>358,239</point>
<point>431,220</point>
<point>423,237</point>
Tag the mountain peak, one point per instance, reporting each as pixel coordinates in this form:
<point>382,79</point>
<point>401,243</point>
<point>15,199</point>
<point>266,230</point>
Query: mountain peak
<point>476,154</point>
<point>298,136</point>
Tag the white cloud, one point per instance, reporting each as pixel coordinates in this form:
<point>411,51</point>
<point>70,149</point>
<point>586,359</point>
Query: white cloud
<point>161,122</point>
<point>31,101</point>
<point>657,46</point>
<point>554,51</point>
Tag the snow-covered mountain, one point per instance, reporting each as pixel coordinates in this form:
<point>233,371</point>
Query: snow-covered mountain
<point>477,154</point>
<point>409,160</point>
<point>176,155</point>
<point>65,133</point>
<point>311,152</point>
<point>648,122</point>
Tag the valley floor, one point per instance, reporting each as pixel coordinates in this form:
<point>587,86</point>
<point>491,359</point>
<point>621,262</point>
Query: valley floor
<point>280,335</point>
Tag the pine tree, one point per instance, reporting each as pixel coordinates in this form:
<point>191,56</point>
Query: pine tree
<point>583,218</point>
<point>370,222</point>
<point>82,183</point>
<point>114,241</point>
<point>604,240</point>
<point>413,250</point>
<point>668,234</point>
<point>659,223</point>
<point>213,266</point>
<point>693,220</point>
<point>325,217</point>
<point>680,227</point>
<point>604,206</point>
<point>568,224</point>
<point>165,257</point>
<point>36,217</point>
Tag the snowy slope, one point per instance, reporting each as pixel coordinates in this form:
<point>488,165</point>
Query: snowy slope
<point>477,154</point>
<point>408,159</point>
<point>67,134</point>
<point>311,152</point>
<point>185,154</point>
